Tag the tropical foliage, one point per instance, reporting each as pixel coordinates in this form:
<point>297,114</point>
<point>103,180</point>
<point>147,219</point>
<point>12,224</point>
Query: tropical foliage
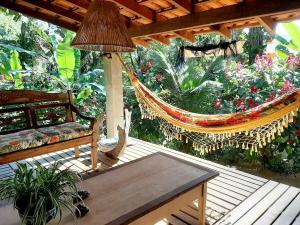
<point>36,55</point>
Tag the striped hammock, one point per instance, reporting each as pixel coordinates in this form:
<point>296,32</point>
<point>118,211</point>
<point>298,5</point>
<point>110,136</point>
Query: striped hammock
<point>252,129</point>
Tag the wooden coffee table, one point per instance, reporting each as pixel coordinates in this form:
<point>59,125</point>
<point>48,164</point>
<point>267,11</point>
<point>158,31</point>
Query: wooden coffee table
<point>143,191</point>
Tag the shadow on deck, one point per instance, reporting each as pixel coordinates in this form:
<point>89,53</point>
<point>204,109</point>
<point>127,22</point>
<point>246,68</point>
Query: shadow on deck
<point>234,197</point>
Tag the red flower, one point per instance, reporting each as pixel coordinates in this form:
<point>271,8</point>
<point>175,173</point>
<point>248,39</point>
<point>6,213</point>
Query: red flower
<point>297,132</point>
<point>144,70</point>
<point>218,104</point>
<point>253,89</point>
<point>149,65</point>
<point>240,102</point>
<point>271,97</point>
<point>252,103</point>
<point>287,86</point>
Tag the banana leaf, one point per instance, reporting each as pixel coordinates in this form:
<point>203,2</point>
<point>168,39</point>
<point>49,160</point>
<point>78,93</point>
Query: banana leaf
<point>67,58</point>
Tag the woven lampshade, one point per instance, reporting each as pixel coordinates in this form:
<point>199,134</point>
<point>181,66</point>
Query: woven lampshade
<point>103,29</point>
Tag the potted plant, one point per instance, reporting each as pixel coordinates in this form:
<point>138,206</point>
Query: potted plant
<point>40,193</point>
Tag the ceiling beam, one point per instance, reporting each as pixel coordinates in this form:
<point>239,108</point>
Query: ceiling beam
<point>163,40</point>
<point>222,30</point>
<point>140,42</point>
<point>130,5</point>
<point>56,9</point>
<point>184,5</point>
<point>268,23</point>
<point>81,3</point>
<point>137,9</point>
<point>39,15</point>
<point>187,35</point>
<point>245,10</point>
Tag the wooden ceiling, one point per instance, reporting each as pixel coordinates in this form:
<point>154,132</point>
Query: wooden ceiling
<point>160,20</point>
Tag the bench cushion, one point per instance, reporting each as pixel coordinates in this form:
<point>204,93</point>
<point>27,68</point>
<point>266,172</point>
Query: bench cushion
<point>66,131</point>
<point>21,140</point>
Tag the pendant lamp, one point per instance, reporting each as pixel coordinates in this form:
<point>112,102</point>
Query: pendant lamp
<point>103,29</point>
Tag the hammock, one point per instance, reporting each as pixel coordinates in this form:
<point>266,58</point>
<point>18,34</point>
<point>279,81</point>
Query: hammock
<point>225,49</point>
<point>252,129</point>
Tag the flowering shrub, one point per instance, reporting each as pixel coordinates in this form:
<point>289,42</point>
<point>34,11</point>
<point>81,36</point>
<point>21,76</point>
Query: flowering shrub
<point>262,82</point>
<point>249,86</point>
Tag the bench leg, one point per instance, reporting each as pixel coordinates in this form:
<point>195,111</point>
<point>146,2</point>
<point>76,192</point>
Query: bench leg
<point>202,204</point>
<point>77,152</point>
<point>94,156</point>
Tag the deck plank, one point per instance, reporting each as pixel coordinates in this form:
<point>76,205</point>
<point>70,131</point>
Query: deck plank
<point>237,179</point>
<point>278,207</point>
<point>234,197</point>
<point>297,221</point>
<point>217,166</point>
<point>255,212</point>
<point>246,205</point>
<point>290,213</point>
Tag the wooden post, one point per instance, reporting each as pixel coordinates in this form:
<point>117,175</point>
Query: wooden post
<point>202,204</point>
<point>114,95</point>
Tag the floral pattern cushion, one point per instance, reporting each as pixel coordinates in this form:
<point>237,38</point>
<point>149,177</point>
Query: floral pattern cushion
<point>65,132</point>
<point>21,140</point>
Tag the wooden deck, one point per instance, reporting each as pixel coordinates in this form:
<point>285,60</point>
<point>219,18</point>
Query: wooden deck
<point>234,197</point>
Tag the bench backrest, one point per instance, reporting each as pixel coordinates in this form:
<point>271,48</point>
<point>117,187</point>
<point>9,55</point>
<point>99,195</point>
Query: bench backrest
<point>26,109</point>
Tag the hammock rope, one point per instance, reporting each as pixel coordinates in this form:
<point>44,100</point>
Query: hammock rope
<point>252,129</point>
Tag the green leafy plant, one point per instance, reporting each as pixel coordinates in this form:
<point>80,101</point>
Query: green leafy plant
<point>286,47</point>
<point>40,193</point>
<point>67,58</point>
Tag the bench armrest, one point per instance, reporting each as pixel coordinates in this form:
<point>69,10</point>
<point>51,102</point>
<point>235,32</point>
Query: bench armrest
<point>95,121</point>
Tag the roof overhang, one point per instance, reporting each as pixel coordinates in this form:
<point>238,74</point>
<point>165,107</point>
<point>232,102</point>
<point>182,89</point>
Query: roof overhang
<point>160,20</point>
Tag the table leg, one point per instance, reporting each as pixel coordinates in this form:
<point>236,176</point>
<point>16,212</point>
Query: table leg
<point>202,204</point>
<point>77,152</point>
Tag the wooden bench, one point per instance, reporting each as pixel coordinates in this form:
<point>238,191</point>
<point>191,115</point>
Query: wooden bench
<point>33,123</point>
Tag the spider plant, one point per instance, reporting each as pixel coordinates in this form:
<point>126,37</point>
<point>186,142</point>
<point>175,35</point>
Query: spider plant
<point>40,193</point>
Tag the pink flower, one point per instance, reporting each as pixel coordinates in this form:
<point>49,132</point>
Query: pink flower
<point>263,62</point>
<point>2,77</point>
<point>85,108</point>
<point>239,67</point>
<point>243,107</point>
<point>293,62</point>
<point>287,86</point>
<point>218,104</point>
